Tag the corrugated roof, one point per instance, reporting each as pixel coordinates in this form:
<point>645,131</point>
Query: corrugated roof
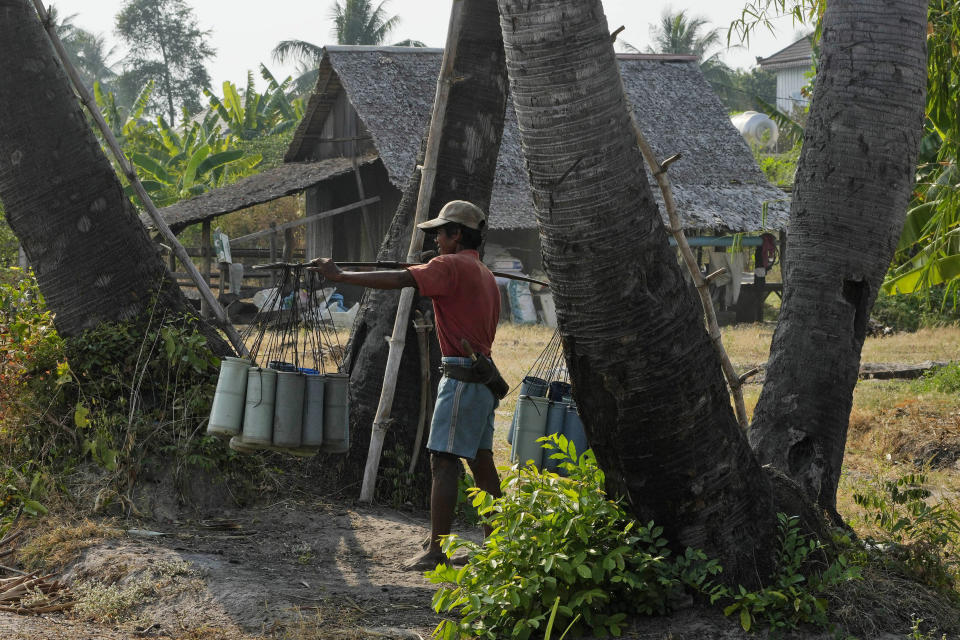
<point>717,185</point>
<point>271,184</point>
<point>798,54</point>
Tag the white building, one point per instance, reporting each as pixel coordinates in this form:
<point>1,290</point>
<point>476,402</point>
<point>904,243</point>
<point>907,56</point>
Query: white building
<point>791,65</point>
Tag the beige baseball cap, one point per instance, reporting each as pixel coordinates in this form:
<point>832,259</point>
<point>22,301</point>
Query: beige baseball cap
<point>466,213</point>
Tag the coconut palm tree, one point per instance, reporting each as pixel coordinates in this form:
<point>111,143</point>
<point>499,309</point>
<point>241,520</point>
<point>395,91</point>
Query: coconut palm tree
<point>354,22</point>
<point>645,376</point>
<point>475,114</point>
<point>681,34</point>
<point>93,59</point>
<point>92,257</point>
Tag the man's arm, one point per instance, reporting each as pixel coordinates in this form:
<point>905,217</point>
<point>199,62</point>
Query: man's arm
<point>395,279</point>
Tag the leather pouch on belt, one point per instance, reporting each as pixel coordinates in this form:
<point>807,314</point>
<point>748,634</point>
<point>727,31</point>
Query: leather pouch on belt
<point>483,371</point>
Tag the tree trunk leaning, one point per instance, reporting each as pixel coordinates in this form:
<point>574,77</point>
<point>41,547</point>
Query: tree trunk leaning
<point>463,144</point>
<point>130,173</point>
<point>427,177</point>
<point>853,183</point>
<point>92,257</point>
<point>646,377</point>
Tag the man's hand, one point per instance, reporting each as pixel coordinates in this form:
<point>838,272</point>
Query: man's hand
<point>327,268</point>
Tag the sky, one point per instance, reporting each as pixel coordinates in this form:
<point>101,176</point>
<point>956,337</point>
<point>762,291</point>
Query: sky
<point>245,31</point>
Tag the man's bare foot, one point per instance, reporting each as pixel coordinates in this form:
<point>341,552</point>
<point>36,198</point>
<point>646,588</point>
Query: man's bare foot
<point>426,561</point>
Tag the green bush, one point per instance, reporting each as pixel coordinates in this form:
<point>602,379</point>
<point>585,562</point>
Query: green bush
<point>795,594</point>
<point>124,396</point>
<point>944,379</point>
<point>779,168</point>
<point>916,538</point>
<point>932,307</point>
<point>560,540</point>
<point>9,254</point>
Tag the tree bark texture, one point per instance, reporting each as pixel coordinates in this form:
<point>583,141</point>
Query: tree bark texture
<point>646,378</point>
<point>92,257</point>
<point>853,183</point>
<point>469,147</point>
<point>473,125</point>
<point>365,361</point>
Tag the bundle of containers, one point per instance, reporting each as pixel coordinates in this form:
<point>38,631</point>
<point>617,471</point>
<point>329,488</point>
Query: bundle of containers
<point>283,405</point>
<point>543,409</point>
<point>280,406</point>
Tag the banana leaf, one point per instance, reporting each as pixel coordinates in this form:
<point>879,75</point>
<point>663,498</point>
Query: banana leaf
<point>934,272</point>
<point>151,166</point>
<point>190,172</point>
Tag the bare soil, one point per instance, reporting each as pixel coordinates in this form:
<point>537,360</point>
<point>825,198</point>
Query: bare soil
<point>287,570</point>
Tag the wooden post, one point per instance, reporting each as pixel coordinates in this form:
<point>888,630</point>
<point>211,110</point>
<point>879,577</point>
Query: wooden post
<point>428,178</point>
<point>287,244</point>
<point>365,211</point>
<point>659,172</point>
<point>206,250</point>
<point>273,253</point>
<point>131,174</point>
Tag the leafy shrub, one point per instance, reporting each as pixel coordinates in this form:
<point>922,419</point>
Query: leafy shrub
<point>9,255</point>
<point>30,350</point>
<point>944,379</point>
<point>560,539</point>
<point>793,597</point>
<point>779,167</point>
<point>121,395</point>
<point>915,538</point>
<point>933,307</point>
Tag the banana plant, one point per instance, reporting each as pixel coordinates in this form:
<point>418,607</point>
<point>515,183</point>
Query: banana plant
<point>174,165</point>
<point>256,115</point>
<point>930,244</point>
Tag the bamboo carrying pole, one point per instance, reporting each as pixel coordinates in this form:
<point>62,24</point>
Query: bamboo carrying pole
<point>660,175</point>
<point>131,175</point>
<point>428,177</point>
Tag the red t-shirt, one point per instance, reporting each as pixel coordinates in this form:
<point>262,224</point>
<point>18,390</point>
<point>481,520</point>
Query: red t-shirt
<point>466,300</point>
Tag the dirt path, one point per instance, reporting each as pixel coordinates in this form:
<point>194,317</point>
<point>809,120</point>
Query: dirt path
<point>290,569</point>
<point>293,570</point>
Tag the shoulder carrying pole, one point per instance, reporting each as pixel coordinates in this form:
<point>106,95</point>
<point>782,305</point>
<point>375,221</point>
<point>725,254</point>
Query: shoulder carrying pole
<point>131,175</point>
<point>427,179</point>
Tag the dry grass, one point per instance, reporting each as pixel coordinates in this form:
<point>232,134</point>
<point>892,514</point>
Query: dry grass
<point>749,344</point>
<point>61,542</point>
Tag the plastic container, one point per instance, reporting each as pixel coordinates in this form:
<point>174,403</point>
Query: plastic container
<point>279,365</point>
<point>573,430</point>
<point>258,406</point>
<point>226,412</point>
<point>558,390</point>
<point>288,409</point>
<point>556,416</point>
<point>531,424</point>
<point>336,414</point>
<point>312,434</point>
<point>530,386</point>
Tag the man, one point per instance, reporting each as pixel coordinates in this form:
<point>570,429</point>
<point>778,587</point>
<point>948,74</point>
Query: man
<point>466,304</point>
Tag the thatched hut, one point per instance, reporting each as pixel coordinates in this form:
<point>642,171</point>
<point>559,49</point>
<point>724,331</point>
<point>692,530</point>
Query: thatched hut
<point>366,118</point>
<point>377,100</point>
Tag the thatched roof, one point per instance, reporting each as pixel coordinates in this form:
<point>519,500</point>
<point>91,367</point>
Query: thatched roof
<point>798,54</point>
<point>271,184</point>
<point>717,185</point>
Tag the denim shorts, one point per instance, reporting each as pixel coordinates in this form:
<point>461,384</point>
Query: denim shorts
<point>463,416</point>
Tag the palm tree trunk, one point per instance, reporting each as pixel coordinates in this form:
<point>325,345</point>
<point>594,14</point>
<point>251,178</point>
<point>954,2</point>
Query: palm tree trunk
<point>646,378</point>
<point>469,146</point>
<point>853,183</point>
<point>92,257</point>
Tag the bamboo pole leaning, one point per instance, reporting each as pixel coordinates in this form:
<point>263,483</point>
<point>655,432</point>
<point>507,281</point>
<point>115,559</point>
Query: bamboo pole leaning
<point>131,174</point>
<point>702,283</point>
<point>428,176</point>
